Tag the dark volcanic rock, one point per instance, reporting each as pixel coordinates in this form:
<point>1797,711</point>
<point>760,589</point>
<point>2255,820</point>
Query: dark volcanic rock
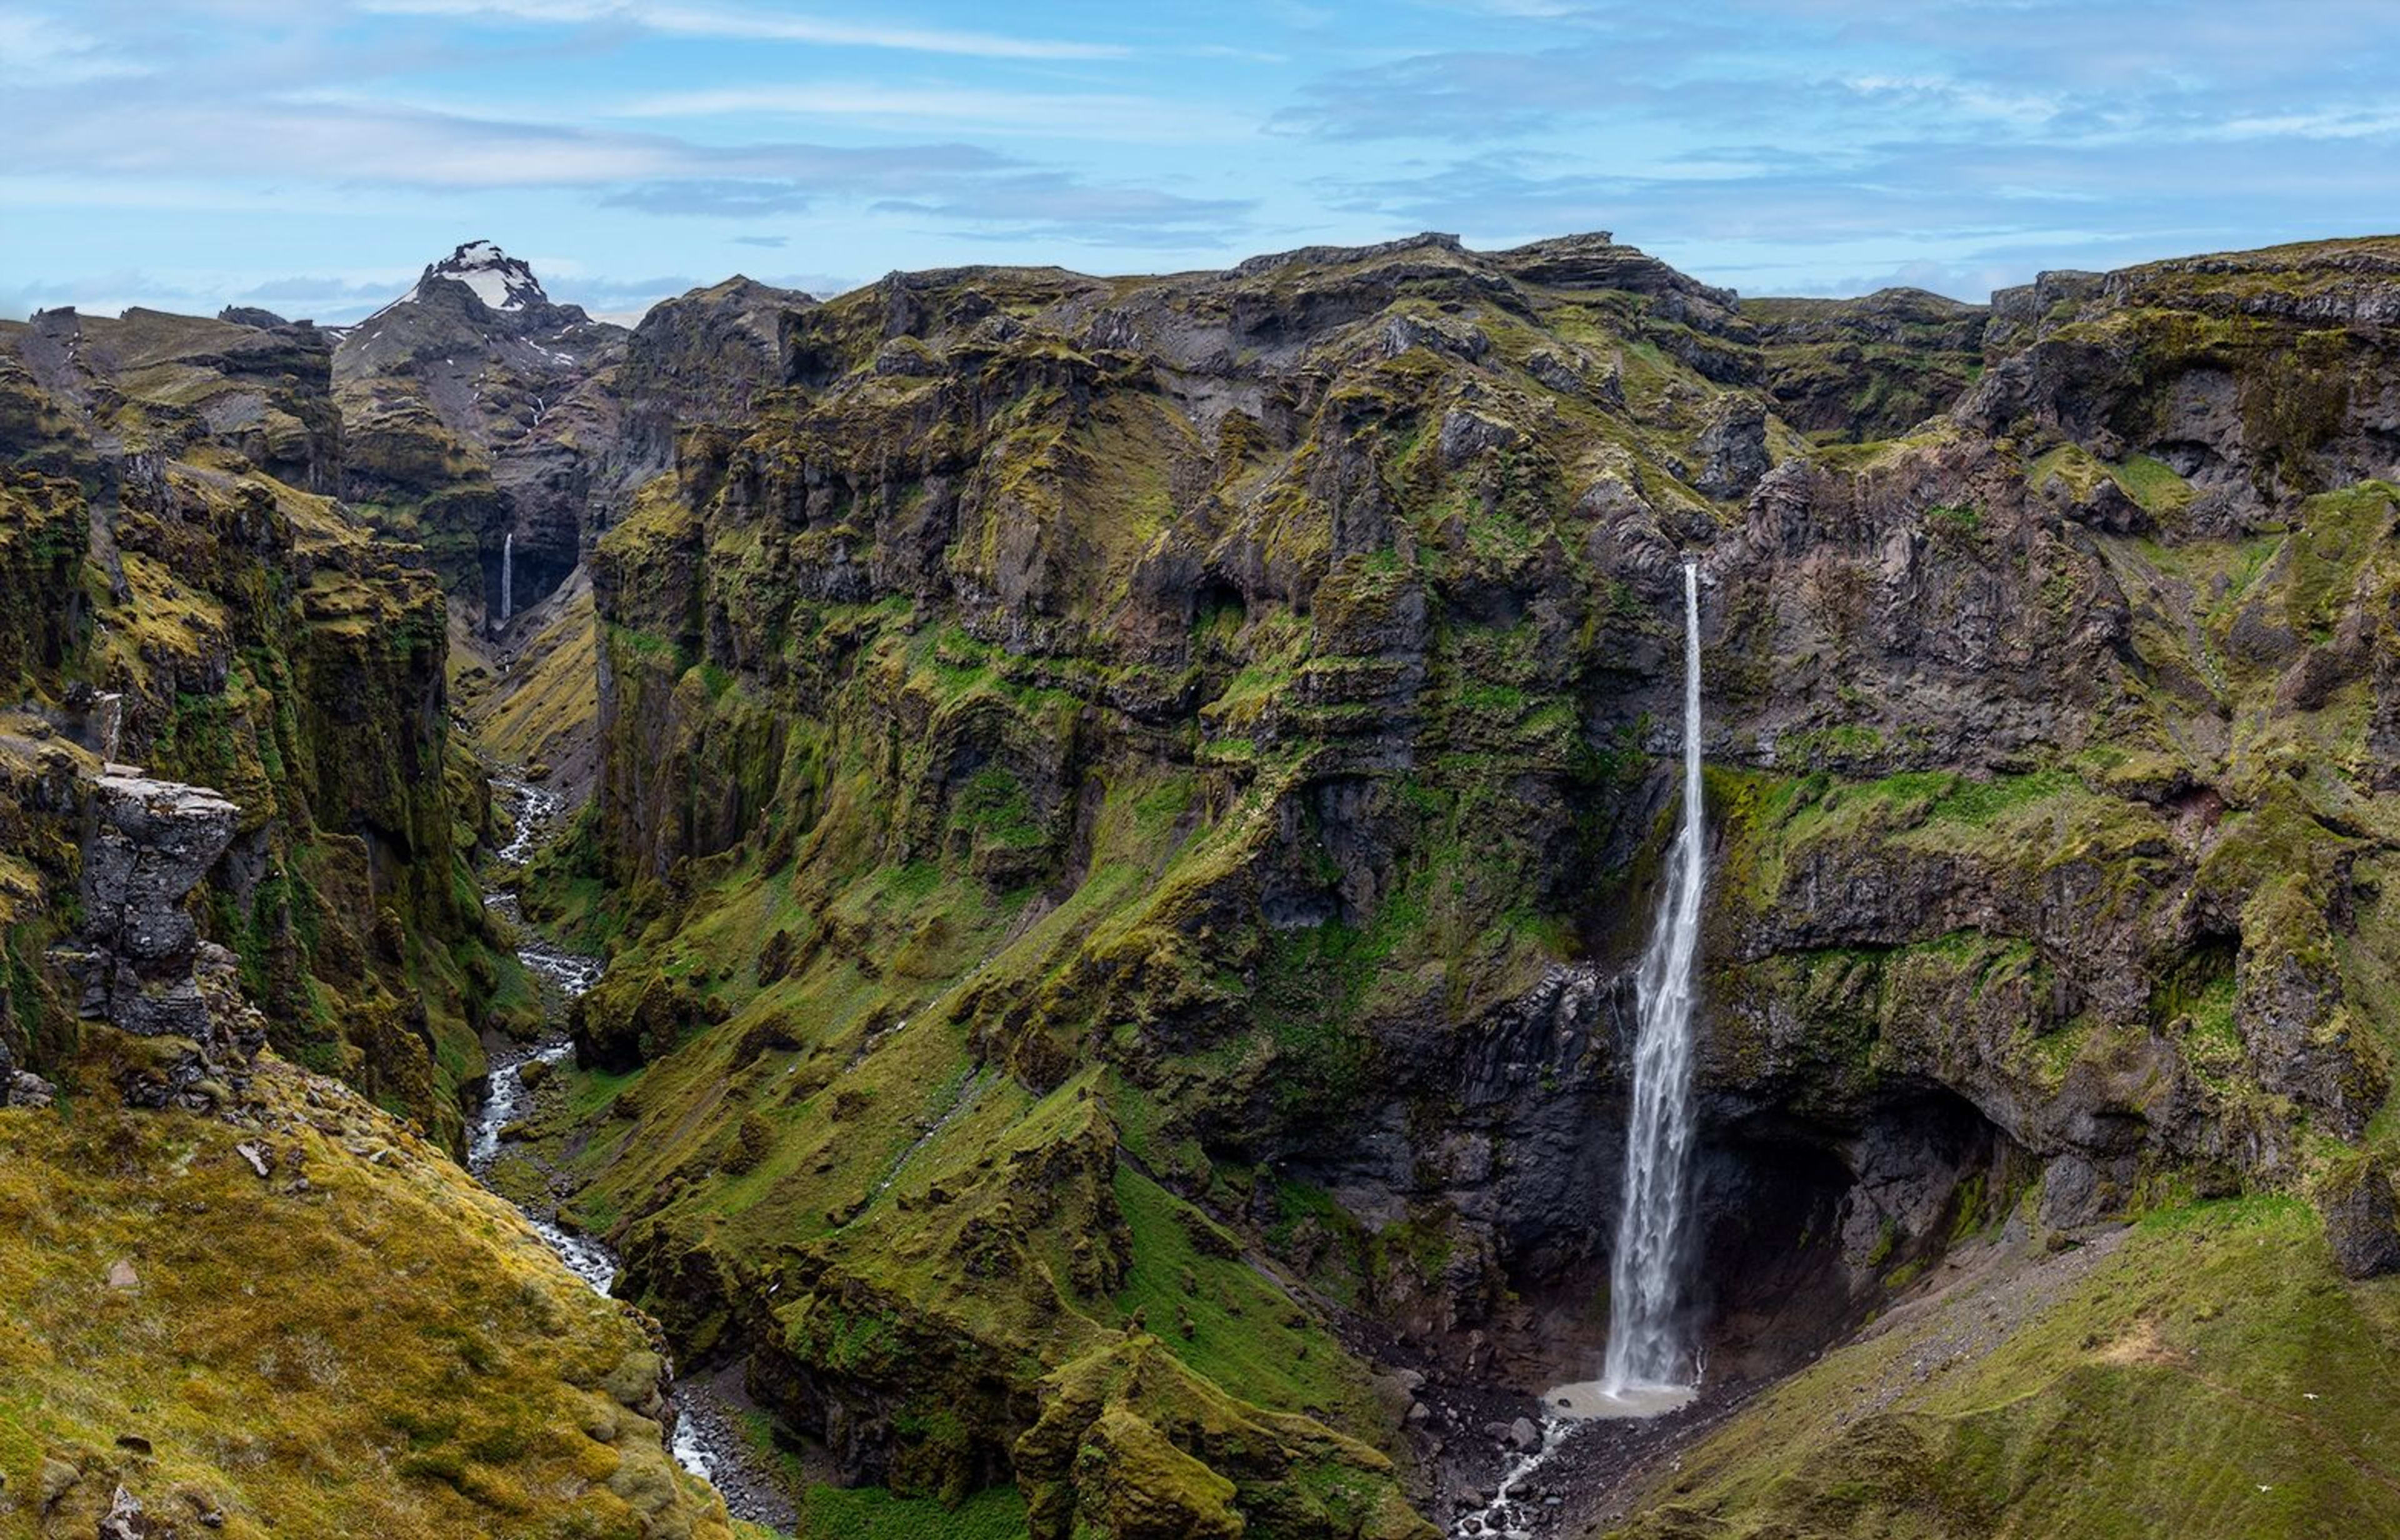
<point>476,404</point>
<point>2362,1225</point>
<point>704,358</point>
<point>151,843</point>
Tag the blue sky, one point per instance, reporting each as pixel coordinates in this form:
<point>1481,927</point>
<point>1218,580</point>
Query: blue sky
<point>312,156</point>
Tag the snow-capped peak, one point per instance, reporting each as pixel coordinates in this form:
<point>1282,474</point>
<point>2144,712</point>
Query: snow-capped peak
<point>501,281</point>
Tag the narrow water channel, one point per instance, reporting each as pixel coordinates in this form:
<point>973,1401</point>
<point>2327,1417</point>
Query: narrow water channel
<point>706,1437</point>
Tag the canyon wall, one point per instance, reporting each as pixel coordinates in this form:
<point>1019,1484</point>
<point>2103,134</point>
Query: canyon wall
<point>1202,739</point>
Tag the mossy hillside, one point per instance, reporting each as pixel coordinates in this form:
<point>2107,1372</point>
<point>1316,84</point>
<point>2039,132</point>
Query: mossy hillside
<point>2213,1376</point>
<point>872,1513</point>
<point>851,1037</point>
<point>383,1348</point>
<point>1870,368</point>
<point>548,712</point>
<point>1004,1238</point>
<point>1130,1443</point>
<point>842,1109</point>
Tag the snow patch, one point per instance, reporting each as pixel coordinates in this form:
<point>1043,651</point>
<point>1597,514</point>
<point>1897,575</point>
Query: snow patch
<point>500,280</point>
<point>490,287</point>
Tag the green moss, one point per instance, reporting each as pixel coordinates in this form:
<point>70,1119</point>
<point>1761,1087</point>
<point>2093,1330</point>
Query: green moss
<point>873,1513</point>
<point>1221,1316</point>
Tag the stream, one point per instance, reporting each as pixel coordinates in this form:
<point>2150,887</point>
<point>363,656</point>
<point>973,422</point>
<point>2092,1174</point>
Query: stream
<point>706,1440</point>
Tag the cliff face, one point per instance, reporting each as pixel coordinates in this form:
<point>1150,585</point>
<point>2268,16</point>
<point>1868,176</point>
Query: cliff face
<point>1207,727</point>
<point>175,603</point>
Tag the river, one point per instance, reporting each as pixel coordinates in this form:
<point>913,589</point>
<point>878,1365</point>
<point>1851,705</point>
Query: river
<point>707,1439</point>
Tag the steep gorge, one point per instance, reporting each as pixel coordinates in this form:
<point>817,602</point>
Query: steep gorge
<point>1124,811</point>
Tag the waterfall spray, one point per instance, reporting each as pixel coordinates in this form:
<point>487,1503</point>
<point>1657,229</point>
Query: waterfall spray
<point>1645,1348</point>
<point>508,576</point>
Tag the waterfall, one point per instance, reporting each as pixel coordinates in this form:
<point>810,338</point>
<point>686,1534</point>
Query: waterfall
<point>508,576</point>
<point>1645,1349</point>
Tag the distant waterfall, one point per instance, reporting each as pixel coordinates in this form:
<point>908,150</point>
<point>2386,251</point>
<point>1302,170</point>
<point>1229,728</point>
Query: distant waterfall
<point>508,576</point>
<point>1646,1275</point>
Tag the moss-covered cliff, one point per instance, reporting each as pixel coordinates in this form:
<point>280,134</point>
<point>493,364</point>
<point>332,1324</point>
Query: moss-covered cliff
<point>1201,730</point>
<point>173,600</point>
<point>1124,808</point>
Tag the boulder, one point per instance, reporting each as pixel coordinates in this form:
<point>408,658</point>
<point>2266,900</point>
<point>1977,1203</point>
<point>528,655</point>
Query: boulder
<point>22,1088</point>
<point>2361,1224</point>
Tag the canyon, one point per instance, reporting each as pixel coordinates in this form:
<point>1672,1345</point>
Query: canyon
<point>1124,817</point>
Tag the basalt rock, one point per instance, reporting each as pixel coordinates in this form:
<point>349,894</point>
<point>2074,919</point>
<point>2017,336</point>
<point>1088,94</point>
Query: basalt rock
<point>2362,1223</point>
<point>151,844</point>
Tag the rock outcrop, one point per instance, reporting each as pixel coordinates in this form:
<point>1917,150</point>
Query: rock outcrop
<point>705,359</point>
<point>151,844</point>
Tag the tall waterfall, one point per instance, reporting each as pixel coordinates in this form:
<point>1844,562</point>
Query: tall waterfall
<point>508,576</point>
<point>1645,1348</point>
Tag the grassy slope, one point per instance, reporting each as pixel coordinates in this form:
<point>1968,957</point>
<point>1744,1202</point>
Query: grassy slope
<point>390,1352</point>
<point>2213,1376</point>
<point>545,712</point>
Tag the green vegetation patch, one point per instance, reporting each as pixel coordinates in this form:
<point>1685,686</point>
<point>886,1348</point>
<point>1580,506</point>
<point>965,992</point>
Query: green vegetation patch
<point>2212,1375</point>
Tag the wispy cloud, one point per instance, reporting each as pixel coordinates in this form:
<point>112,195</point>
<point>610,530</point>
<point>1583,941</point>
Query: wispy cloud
<point>36,47</point>
<point>167,133</point>
<point>720,196</point>
<point>910,107</point>
<point>775,24</point>
<point>1050,206</point>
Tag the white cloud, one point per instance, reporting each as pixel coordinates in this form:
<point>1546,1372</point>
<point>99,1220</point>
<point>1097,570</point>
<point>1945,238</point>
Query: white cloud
<point>34,48</point>
<point>333,143</point>
<point>2343,123</point>
<point>759,25</point>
